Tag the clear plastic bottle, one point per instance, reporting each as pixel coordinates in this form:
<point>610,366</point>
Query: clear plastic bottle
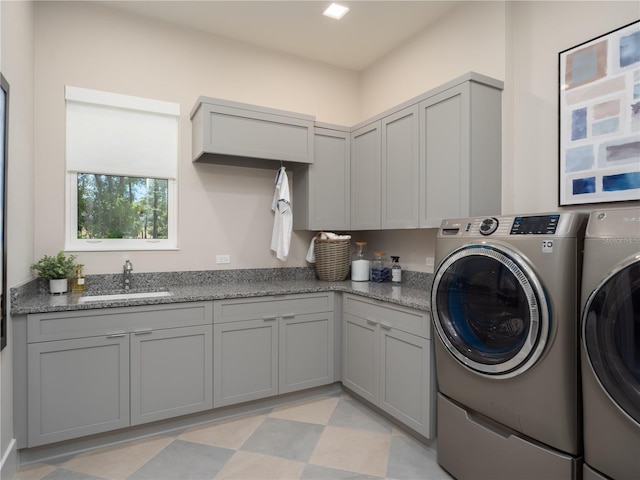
<point>380,271</point>
<point>360,263</point>
<point>396,270</point>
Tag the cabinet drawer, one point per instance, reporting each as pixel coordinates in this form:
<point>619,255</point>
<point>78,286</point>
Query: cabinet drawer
<point>405,319</point>
<point>259,308</point>
<point>45,327</point>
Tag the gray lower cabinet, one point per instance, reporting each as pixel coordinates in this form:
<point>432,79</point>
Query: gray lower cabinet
<point>270,345</point>
<point>77,387</point>
<point>92,371</point>
<point>245,361</point>
<point>388,360</point>
<point>171,372</point>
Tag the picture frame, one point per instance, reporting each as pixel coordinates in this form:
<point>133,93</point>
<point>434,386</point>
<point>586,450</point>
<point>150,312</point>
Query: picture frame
<point>4,155</point>
<point>599,119</point>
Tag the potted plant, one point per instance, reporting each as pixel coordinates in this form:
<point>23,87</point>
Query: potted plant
<point>57,269</point>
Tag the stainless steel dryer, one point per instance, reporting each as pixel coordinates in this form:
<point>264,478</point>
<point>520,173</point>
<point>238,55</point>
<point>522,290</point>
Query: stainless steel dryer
<point>505,306</point>
<point>610,345</point>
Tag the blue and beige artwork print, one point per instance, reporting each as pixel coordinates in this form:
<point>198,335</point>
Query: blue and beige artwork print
<point>579,124</point>
<point>630,49</point>
<point>622,181</point>
<point>584,185</point>
<point>600,119</point>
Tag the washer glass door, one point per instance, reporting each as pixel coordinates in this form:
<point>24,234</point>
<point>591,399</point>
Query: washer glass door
<point>611,336</point>
<point>490,310</point>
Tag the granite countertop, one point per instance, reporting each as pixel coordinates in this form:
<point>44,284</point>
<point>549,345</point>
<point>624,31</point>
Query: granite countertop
<point>413,293</point>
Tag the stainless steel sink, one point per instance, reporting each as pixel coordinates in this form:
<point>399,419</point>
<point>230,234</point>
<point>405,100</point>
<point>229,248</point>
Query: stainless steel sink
<point>122,296</point>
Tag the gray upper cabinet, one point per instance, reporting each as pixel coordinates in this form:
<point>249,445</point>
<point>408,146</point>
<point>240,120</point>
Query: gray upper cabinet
<point>321,191</point>
<point>247,135</point>
<point>384,172</point>
<point>461,152</point>
<point>400,176</point>
<point>366,172</point>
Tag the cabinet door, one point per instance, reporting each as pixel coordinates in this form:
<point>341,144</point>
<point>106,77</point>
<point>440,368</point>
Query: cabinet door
<point>245,362</point>
<point>171,372</point>
<point>306,351</point>
<point>235,131</point>
<point>444,142</point>
<point>365,177</point>
<point>322,190</point>
<point>77,387</point>
<point>400,175</point>
<point>406,379</point>
<point>360,359</point>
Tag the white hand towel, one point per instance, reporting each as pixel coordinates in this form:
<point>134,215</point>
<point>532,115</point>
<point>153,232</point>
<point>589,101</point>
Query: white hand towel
<point>283,220</point>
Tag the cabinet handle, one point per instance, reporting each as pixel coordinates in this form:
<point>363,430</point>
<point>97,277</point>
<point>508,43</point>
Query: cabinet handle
<point>269,319</point>
<point>371,321</point>
<point>143,332</point>
<point>289,315</point>
<point>386,326</point>
<point>116,335</point>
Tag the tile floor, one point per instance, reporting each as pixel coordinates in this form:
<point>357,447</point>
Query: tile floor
<point>328,437</point>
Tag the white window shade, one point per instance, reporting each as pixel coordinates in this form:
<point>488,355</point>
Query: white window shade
<point>121,135</point>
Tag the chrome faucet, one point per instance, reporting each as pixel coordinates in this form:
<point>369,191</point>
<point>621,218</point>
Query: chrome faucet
<point>127,275</point>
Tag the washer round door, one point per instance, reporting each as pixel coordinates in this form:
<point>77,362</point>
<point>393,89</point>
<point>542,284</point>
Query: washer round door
<point>611,336</point>
<point>490,310</point>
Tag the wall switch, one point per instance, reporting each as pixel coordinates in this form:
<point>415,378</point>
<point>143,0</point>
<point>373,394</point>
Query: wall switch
<point>223,259</point>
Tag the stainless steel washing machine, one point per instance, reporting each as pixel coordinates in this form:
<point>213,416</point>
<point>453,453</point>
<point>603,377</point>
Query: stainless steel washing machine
<point>505,306</point>
<point>610,345</point>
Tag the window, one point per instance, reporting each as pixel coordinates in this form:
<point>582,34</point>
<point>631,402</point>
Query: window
<point>121,164</point>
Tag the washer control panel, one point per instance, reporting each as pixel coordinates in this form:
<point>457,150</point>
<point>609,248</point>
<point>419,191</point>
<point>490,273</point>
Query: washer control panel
<point>502,226</point>
<point>535,225</point>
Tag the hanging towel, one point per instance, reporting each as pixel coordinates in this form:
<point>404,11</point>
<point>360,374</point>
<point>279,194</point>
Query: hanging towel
<point>283,220</point>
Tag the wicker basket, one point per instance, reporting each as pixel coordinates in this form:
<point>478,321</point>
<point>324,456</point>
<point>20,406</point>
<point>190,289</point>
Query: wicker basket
<point>332,258</point>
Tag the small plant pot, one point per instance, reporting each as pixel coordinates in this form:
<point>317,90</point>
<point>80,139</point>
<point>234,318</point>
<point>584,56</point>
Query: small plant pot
<point>58,286</point>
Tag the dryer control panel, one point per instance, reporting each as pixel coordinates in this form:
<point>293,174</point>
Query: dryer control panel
<point>504,226</point>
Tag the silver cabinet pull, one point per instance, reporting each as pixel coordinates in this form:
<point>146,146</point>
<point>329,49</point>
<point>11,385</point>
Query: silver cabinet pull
<point>386,326</point>
<point>116,335</point>
<point>143,332</point>
<point>371,321</point>
<point>269,319</point>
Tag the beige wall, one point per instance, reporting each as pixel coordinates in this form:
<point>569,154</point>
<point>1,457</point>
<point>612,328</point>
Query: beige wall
<point>16,64</point>
<point>538,32</point>
<point>222,210</point>
<point>469,38</point>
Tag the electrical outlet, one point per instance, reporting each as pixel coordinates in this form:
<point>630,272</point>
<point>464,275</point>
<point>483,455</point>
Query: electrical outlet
<point>430,262</point>
<point>223,259</point>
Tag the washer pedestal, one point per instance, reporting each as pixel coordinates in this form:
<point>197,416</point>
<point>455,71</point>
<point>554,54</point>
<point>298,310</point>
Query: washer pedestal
<point>473,447</point>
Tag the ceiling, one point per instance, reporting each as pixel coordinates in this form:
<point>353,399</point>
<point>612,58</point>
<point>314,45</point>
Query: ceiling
<point>370,30</point>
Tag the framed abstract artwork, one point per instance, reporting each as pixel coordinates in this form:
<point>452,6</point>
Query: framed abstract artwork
<point>4,151</point>
<point>599,119</point>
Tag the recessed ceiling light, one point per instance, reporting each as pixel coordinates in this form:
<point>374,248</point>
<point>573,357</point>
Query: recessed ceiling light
<point>335,11</point>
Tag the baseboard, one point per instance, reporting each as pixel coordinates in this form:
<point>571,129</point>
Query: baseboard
<point>9,462</point>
